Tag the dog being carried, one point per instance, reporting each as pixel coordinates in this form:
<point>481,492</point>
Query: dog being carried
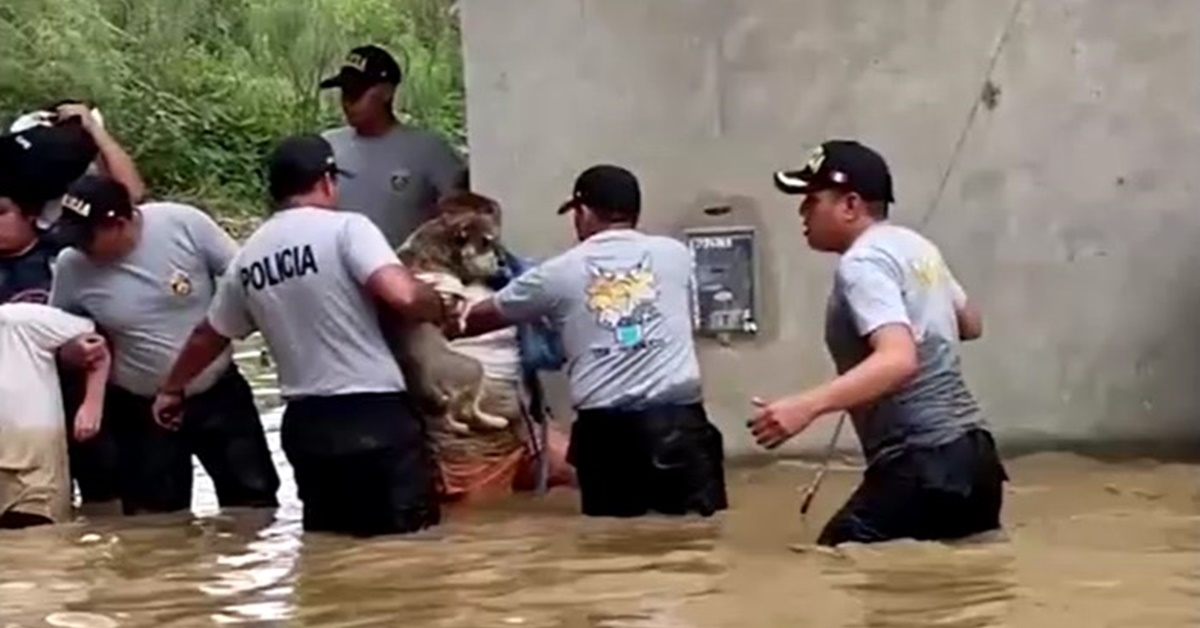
<point>451,252</point>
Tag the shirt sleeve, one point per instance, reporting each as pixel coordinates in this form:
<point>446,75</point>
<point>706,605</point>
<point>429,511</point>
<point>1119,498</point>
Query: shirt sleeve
<point>873,292</point>
<point>363,248</point>
<point>228,314</point>
<point>445,166</point>
<point>64,290</point>
<point>217,246</point>
<point>531,294</point>
<point>50,328</point>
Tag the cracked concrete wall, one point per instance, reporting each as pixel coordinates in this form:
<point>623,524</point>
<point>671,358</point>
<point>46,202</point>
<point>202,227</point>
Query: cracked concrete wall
<point>1064,198</point>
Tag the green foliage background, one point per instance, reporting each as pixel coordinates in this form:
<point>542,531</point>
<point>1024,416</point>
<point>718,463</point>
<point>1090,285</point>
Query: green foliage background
<point>198,90</point>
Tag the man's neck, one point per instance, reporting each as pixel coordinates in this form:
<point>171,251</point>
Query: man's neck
<point>377,128</point>
<point>857,232</point>
<point>18,252</point>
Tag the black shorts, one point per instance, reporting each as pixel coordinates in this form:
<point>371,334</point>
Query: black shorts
<point>668,460</point>
<point>363,464</point>
<point>929,494</point>
<point>150,468</point>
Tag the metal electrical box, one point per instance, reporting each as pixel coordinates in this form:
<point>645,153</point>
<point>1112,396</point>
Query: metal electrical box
<point>725,281</point>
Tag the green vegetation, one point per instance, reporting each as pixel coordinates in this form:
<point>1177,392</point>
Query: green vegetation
<point>198,90</point>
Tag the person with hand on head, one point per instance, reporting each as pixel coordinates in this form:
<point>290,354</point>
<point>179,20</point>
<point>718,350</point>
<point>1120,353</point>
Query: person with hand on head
<point>314,282</point>
<point>38,161</point>
<point>35,481</point>
<point>642,441</point>
<point>895,318</point>
<point>146,275</point>
<point>400,171</point>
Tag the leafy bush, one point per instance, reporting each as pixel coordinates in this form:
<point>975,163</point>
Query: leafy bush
<point>199,90</point>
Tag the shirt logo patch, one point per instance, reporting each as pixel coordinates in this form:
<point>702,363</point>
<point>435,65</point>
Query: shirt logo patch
<point>400,180</point>
<point>623,300</point>
<point>180,283</point>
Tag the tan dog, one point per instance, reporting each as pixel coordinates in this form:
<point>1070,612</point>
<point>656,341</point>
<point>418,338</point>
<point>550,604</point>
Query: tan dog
<point>450,251</point>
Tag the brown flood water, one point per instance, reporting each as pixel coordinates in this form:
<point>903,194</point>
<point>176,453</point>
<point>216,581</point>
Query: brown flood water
<point>1089,544</point>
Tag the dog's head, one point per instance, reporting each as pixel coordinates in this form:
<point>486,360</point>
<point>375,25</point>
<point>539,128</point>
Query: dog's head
<point>464,244</point>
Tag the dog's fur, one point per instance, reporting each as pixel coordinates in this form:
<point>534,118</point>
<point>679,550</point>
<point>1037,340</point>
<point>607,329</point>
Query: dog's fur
<point>455,249</point>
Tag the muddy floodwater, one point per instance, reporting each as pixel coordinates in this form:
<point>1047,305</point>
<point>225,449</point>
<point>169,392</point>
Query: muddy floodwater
<point>1089,544</point>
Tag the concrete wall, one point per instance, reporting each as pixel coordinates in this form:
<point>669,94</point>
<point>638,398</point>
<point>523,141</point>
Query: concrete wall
<point>1067,205</point>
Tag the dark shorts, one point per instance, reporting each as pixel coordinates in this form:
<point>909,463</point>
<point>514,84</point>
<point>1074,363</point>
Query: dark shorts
<point>150,468</point>
<point>930,494</point>
<point>668,460</point>
<point>362,463</point>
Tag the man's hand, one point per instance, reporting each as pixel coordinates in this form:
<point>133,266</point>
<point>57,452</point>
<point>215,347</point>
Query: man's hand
<point>168,410</point>
<point>77,110</point>
<point>87,421</point>
<point>775,422</point>
<point>83,351</point>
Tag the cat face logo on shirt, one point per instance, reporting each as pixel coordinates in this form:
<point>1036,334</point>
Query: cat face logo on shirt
<point>180,283</point>
<point>400,180</point>
<point>623,300</point>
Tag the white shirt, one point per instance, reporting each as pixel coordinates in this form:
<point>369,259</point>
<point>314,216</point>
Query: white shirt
<point>30,335</point>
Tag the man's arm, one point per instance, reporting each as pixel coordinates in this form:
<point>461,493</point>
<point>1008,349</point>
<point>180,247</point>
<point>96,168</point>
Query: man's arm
<point>203,346</point>
<point>114,160</point>
<point>91,410</point>
<point>446,167</point>
<point>82,349</point>
<point>227,318</point>
<point>875,300</point>
<point>970,318</point>
<point>374,265</point>
<point>526,298</point>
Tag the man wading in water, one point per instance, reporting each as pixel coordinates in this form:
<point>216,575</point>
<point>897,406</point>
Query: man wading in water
<point>399,171</point>
<point>146,274</point>
<point>643,442</point>
<point>895,318</point>
<point>312,280</point>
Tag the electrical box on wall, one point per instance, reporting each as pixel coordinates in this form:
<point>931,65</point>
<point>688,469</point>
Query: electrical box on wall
<point>725,280</point>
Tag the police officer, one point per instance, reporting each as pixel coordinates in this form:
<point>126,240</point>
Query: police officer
<point>146,275</point>
<point>642,441</point>
<point>895,320</point>
<point>400,171</point>
<point>313,280</point>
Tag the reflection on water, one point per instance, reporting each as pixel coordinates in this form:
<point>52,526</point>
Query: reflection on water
<point>1107,545</point>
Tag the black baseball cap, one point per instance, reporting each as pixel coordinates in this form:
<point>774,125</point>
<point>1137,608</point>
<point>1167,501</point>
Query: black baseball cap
<point>606,188</point>
<point>89,203</point>
<point>365,67</point>
<point>843,165</point>
<point>297,163</point>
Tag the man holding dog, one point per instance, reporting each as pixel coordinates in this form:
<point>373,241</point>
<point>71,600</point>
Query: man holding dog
<point>895,318</point>
<point>400,171</point>
<point>313,280</point>
<point>642,442</point>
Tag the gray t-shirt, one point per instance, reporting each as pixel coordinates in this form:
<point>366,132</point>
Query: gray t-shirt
<point>622,302</point>
<point>150,301</point>
<point>300,280</point>
<point>398,177</point>
<point>894,275</point>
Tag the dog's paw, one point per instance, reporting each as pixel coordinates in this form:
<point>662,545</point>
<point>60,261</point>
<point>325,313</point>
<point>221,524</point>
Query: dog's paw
<point>490,421</point>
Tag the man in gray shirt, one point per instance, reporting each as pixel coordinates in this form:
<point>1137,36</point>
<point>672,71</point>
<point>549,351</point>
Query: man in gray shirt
<point>400,171</point>
<point>146,275</point>
<point>314,281</point>
<point>894,322</point>
<point>642,442</point>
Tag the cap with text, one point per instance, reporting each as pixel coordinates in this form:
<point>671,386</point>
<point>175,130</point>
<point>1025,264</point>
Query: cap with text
<point>297,163</point>
<point>89,203</point>
<point>364,67</point>
<point>606,188</point>
<point>841,165</point>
